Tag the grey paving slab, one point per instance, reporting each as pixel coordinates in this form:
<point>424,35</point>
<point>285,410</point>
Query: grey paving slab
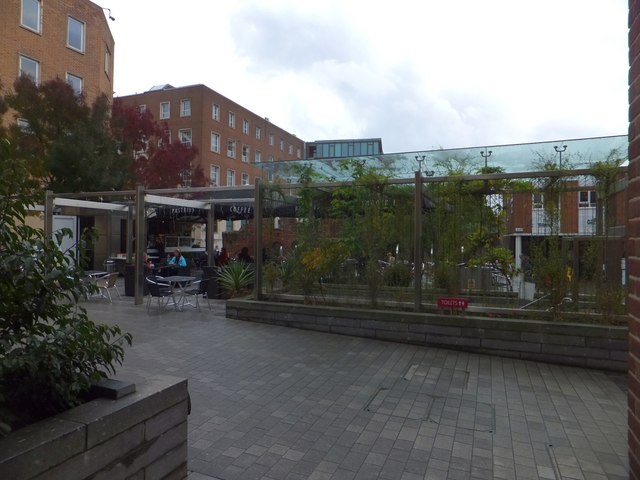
<point>275,403</point>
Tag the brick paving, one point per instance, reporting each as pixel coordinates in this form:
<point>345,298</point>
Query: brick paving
<point>274,403</point>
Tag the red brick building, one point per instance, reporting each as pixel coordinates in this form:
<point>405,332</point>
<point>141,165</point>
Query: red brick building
<point>230,139</point>
<point>633,228</point>
<point>68,39</point>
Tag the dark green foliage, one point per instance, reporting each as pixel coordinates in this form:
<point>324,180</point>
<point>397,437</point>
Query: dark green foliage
<point>50,351</point>
<point>397,275</point>
<point>67,142</point>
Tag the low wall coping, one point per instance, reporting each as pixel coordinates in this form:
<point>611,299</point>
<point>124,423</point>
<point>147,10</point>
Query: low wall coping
<point>37,447</point>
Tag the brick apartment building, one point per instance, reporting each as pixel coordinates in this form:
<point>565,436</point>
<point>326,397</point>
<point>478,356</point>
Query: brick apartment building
<point>230,139</point>
<point>68,39</point>
<point>583,216</point>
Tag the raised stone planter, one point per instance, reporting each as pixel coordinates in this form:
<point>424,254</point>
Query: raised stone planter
<point>142,435</point>
<point>596,346</point>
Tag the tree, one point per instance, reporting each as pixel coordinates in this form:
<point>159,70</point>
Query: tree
<point>157,163</point>
<point>65,141</point>
<point>50,351</point>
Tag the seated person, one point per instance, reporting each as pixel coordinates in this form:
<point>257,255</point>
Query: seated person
<point>244,256</point>
<point>147,262</point>
<point>178,259</point>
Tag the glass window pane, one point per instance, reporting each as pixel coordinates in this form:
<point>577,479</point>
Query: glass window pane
<point>75,34</point>
<point>30,67</point>
<point>31,14</point>
<point>75,82</point>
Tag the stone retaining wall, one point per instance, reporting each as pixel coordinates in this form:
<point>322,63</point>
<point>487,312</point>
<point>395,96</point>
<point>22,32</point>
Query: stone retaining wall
<point>140,436</point>
<point>596,346</point>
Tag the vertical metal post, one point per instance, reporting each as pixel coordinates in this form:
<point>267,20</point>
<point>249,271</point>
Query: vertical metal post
<point>257,218</point>
<point>417,255</point>
<point>141,245</point>
<point>48,214</point>
<point>211,233</point>
<point>130,233</point>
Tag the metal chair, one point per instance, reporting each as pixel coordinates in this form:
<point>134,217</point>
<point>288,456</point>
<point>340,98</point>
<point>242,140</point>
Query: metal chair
<point>106,283</point>
<point>160,289</point>
<point>199,289</point>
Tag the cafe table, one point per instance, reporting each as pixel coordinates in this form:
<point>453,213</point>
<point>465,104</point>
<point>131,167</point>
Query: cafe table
<point>179,283</point>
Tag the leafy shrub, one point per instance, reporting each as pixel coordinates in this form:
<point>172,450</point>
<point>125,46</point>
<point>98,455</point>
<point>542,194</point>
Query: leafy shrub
<point>397,275</point>
<point>236,278</point>
<point>273,273</point>
<point>50,351</point>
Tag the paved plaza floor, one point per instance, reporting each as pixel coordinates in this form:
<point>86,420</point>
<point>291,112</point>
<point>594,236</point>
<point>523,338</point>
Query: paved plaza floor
<point>275,403</point>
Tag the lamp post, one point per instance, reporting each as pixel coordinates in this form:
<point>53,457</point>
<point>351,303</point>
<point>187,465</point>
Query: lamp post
<point>560,150</point>
<point>111,17</point>
<point>420,159</point>
<point>486,154</point>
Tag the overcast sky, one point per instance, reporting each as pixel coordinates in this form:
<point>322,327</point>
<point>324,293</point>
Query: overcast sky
<point>421,74</point>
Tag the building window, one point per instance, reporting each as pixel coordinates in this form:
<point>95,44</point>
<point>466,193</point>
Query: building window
<point>587,199</point>
<point>215,142</point>
<point>215,112</point>
<point>245,154</point>
<point>258,133</point>
<point>165,110</point>
<point>142,108</point>
<point>165,139</point>
<point>231,178</point>
<point>229,226</point>
<point>214,175</point>
<point>30,17</point>
<point>270,158</point>
<point>281,145</point>
<point>231,148</point>
<point>258,156</point>
<point>232,120</point>
<point>184,135</point>
<point>75,34</point>
<point>298,153</point>
<point>245,179</point>
<point>271,139</point>
<point>245,126</point>
<point>538,200</point>
<point>107,61</point>
<point>185,107</point>
<point>290,149</point>
<point>185,176</point>
<point>75,82</point>
<point>23,125</point>
<point>30,68</point>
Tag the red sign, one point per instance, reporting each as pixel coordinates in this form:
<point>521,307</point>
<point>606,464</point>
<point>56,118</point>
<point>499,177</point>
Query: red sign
<point>453,302</point>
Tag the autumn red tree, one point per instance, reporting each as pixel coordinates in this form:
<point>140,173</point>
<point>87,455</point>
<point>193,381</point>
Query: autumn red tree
<point>157,163</point>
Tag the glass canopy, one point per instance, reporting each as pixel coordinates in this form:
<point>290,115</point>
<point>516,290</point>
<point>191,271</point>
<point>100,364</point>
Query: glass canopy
<point>524,157</point>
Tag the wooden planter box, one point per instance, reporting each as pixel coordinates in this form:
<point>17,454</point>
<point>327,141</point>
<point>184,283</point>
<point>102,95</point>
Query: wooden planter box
<point>141,435</point>
<point>596,346</point>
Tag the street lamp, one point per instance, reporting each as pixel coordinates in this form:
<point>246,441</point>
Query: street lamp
<point>111,17</point>
<point>420,159</point>
<point>486,154</point>
<point>560,150</point>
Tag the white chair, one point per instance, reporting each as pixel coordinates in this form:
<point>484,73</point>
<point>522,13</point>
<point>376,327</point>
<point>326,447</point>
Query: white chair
<point>199,289</point>
<point>107,283</point>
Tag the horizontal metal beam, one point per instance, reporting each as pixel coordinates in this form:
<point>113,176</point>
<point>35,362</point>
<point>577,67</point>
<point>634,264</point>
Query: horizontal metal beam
<point>69,202</point>
<point>176,202</point>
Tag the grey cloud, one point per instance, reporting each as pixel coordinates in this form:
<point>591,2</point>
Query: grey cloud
<point>292,40</point>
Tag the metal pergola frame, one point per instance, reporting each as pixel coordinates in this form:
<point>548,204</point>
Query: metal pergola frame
<point>135,202</point>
